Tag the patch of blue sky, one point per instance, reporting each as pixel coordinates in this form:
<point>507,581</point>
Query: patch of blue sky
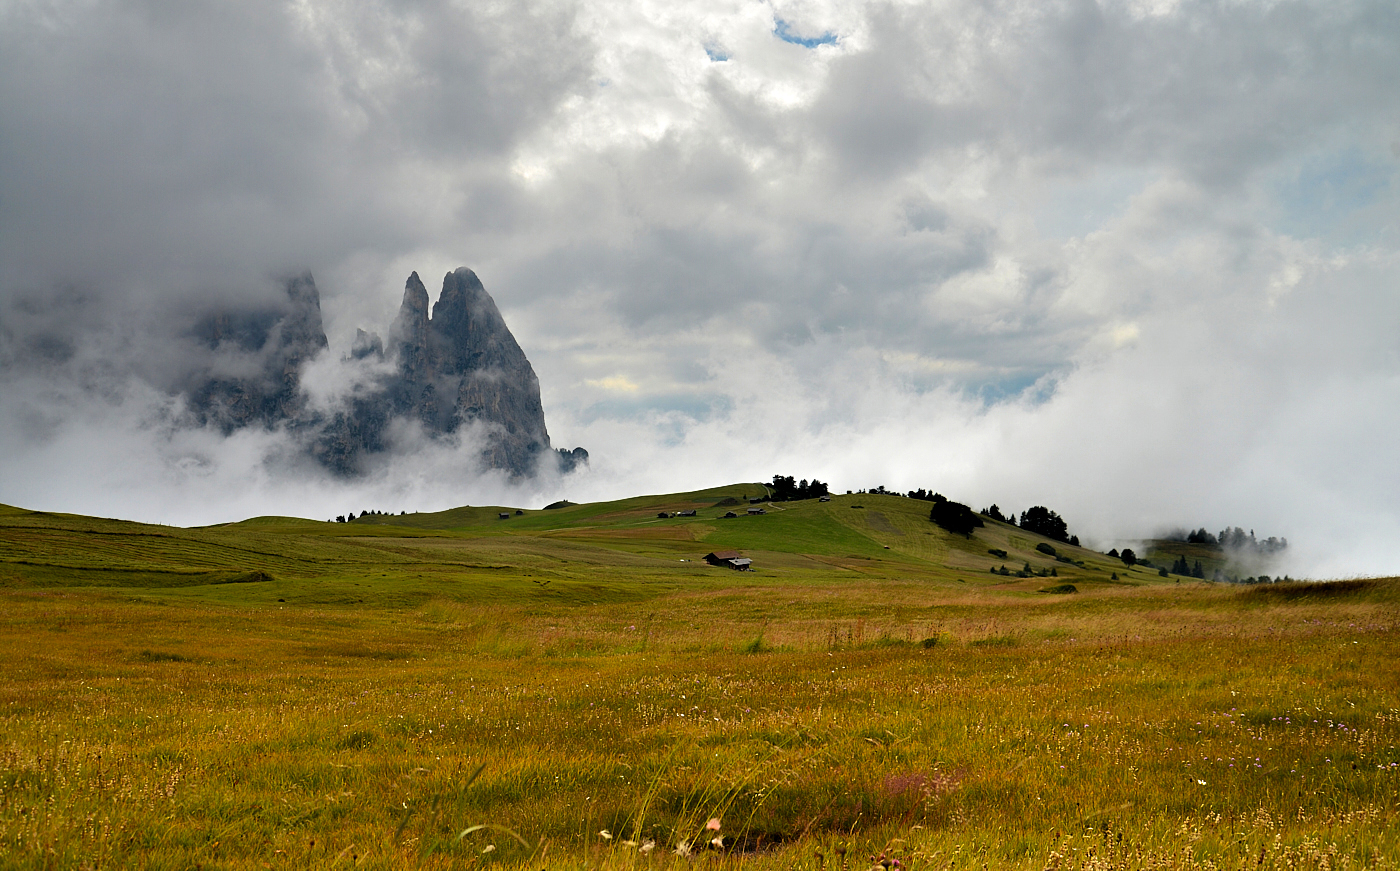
<point>697,407</point>
<point>716,54</point>
<point>784,31</point>
<point>1330,194</point>
<point>1032,387</point>
<point>1075,207</point>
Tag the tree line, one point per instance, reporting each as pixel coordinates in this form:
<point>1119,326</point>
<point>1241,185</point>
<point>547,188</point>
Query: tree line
<point>346,518</point>
<point>950,515</point>
<point>785,489</point>
<point>1037,519</point>
<point>1234,538</point>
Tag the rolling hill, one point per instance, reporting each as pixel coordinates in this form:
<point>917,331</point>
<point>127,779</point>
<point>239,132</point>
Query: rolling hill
<point>620,549</point>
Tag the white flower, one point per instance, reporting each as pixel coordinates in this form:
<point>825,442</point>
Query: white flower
<point>683,848</point>
<point>717,842</point>
<point>1201,782</point>
<point>605,835</point>
<point>488,848</point>
<point>647,846</point>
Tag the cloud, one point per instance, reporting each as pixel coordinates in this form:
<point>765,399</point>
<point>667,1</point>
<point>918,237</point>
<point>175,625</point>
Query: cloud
<point>1131,260</point>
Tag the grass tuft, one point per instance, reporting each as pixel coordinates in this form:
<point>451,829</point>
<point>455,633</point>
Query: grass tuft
<point>160,656</point>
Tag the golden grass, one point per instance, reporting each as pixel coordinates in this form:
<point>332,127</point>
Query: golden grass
<point>1172,726</point>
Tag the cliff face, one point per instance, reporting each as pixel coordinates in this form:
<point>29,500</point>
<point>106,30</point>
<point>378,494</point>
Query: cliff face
<point>460,366</point>
<point>457,367</point>
<point>481,367</point>
<point>253,377</point>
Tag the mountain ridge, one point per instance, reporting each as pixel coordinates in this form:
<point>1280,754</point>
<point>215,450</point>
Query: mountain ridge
<point>453,368</point>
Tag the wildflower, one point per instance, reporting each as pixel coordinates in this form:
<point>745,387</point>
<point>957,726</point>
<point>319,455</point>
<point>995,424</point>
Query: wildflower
<point>647,846</point>
<point>717,842</point>
<point>713,824</point>
<point>683,848</point>
<point>488,848</point>
<point>605,835</point>
<point>1201,782</point>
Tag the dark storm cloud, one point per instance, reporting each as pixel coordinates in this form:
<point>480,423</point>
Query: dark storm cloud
<point>202,143</point>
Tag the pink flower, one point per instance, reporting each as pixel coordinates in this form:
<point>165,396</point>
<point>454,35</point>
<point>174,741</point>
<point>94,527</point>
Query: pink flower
<point>713,824</point>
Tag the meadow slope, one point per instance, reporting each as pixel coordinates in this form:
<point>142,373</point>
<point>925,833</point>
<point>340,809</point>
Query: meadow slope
<point>575,688</point>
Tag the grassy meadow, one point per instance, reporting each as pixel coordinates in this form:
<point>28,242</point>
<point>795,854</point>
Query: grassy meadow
<point>576,689</point>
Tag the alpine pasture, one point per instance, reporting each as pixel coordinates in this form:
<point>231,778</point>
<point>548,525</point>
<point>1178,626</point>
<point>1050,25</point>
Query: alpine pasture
<point>575,688</point>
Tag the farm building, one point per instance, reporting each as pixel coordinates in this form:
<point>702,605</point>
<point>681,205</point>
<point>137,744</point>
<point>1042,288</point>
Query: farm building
<point>731,559</point>
<point>757,511</point>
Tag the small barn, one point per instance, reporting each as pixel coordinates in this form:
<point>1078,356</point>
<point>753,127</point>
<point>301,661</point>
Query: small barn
<point>504,515</point>
<point>722,557</point>
<point>757,511</point>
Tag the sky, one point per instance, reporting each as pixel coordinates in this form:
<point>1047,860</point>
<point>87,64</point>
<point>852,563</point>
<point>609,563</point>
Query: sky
<point>1134,260</point>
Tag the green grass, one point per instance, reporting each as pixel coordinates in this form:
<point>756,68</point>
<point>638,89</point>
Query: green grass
<point>454,690</point>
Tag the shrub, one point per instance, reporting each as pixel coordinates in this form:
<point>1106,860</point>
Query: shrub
<point>756,645</point>
<point>1045,549</point>
<point>997,552</point>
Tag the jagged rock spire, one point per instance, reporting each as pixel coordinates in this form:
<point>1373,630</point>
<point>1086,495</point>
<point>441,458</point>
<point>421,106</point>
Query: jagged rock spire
<point>458,368</point>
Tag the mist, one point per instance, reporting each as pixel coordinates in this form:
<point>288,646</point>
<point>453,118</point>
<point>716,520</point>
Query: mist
<point>1132,261</point>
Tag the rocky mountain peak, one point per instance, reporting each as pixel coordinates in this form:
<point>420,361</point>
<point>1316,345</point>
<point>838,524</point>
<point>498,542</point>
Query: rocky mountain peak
<point>458,367</point>
<point>255,375</point>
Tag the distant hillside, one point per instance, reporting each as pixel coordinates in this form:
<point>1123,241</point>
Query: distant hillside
<point>618,549</point>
